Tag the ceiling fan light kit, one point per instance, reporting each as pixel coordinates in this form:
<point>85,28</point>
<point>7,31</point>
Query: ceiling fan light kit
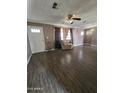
<point>69,21</point>
<point>71,18</point>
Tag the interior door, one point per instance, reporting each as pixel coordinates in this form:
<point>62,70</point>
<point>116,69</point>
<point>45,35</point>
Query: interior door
<point>36,38</point>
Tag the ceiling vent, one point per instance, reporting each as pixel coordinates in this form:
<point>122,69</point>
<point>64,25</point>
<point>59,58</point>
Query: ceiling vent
<point>55,5</point>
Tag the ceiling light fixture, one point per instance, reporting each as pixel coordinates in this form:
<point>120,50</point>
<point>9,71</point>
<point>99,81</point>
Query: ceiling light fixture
<point>69,21</point>
<point>71,18</point>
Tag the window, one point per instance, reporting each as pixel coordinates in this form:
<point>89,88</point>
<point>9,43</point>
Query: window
<point>61,33</point>
<point>68,35</point>
<point>35,30</point>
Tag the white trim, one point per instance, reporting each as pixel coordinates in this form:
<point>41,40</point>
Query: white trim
<point>93,45</point>
<point>53,49</point>
<point>78,45</point>
<point>90,44</point>
<point>90,25</point>
<point>44,51</point>
<point>39,52</point>
<point>29,59</point>
<point>49,50</point>
<point>62,25</point>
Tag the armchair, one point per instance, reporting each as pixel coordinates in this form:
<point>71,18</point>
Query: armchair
<point>66,44</point>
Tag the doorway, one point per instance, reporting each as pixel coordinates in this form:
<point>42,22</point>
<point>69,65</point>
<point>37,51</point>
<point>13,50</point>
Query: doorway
<point>57,38</point>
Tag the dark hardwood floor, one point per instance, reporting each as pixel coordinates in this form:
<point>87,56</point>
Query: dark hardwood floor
<point>63,71</point>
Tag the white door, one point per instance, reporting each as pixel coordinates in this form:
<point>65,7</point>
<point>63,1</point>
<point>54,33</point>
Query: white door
<point>36,38</point>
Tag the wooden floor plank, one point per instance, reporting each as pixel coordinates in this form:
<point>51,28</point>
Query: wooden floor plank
<point>63,71</point>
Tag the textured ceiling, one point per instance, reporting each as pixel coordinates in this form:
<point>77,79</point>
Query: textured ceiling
<point>41,11</point>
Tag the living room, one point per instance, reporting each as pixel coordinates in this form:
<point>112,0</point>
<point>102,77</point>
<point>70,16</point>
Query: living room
<point>62,46</point>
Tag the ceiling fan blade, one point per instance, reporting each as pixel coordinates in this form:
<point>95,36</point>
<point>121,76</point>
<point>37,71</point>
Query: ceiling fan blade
<point>75,18</point>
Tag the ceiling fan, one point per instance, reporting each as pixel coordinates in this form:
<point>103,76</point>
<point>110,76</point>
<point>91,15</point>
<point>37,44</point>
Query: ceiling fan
<point>71,17</point>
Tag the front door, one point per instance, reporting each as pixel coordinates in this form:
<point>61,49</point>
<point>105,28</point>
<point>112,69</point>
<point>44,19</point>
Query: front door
<point>36,38</point>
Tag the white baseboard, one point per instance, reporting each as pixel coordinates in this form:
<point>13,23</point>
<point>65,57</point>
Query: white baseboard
<point>90,44</point>
<point>78,45</point>
<point>50,50</point>
<point>29,59</point>
<point>94,45</point>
